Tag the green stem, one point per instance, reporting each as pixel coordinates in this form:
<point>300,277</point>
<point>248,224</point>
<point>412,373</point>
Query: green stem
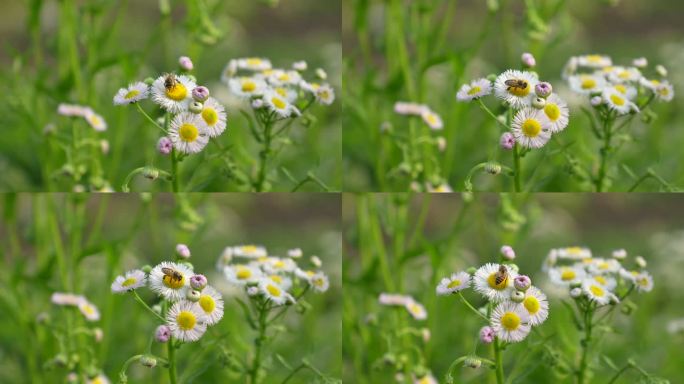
<point>467,303</point>
<point>498,360</point>
<point>172,361</point>
<point>141,301</point>
<point>490,113</point>
<point>151,120</point>
<point>582,371</point>
<point>600,180</point>
<point>263,157</point>
<point>620,372</point>
<point>258,344</point>
<point>174,171</point>
<point>516,167</point>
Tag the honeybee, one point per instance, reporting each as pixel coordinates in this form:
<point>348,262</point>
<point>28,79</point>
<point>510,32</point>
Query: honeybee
<point>501,275</point>
<point>515,83</point>
<point>170,81</point>
<point>172,274</point>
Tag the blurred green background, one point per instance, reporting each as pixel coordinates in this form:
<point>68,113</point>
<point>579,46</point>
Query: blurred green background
<point>427,237</point>
<point>118,42</point>
<point>122,232</point>
<point>479,43</point>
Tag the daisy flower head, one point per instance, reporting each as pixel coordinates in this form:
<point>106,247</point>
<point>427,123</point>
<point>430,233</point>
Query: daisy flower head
<point>279,104</point>
<point>600,266</point>
<point>596,292</point>
<point>283,281</point>
<point>246,87</point>
<point>621,75</point>
<point>454,283</point>
<point>211,303</point>
<point>566,275</point>
<point>594,61</point>
<point>557,112</point>
<point>214,116</point>
<point>586,84</point>
<point>280,78</point>
<point>96,121</point>
<point>325,95</point>
<point>494,281</point>
<point>279,265</point>
<point>60,298</point>
<point>474,90</point>
<point>616,101</point>
<point>433,120</point>
<point>172,92</point>
<point>416,309</point>
<point>73,110</point>
<point>241,274</point>
<point>573,253</point>
<point>99,379</point>
<point>643,282</point>
<point>531,128</point>
<point>170,280</point>
<point>186,321</point>
<point>188,133</point>
<point>288,93</point>
<point>319,282</point>
<point>273,292</point>
<point>515,87</point>
<point>605,281</point>
<point>511,322</point>
<point>133,93</point>
<point>393,299</point>
<point>249,251</point>
<point>625,89</point>
<point>229,71</point>
<point>427,379</point>
<point>89,310</point>
<point>536,305</point>
<point>409,108</point>
<point>129,281</point>
<point>664,91</point>
<point>255,64</point>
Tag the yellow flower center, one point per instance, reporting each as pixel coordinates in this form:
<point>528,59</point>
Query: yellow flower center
<point>188,132</point>
<point>414,308</point>
<point>431,119</point>
<point>209,115</point>
<point>621,88</point>
<point>491,280</point>
<point>663,91</point>
<point>597,291</point>
<point>319,282</point>
<point>278,103</point>
<point>186,320</point>
<point>603,265</point>
<point>98,380</point>
<point>173,283</point>
<point>568,274</point>
<point>248,248</point>
<point>594,59</point>
<point>531,304</point>
<point>90,310</point>
<point>128,282</point>
<point>520,92</point>
<point>601,280</point>
<point>454,283</point>
<point>574,250</point>
<point>624,75</point>
<point>248,86</point>
<point>178,92</point>
<point>276,278</point>
<point>552,111</point>
<point>588,83</point>
<point>655,82</point>
<point>273,290</point>
<point>617,100</point>
<point>474,90</point>
<point>207,303</point>
<point>284,77</point>
<point>281,91</point>
<point>531,128</point>
<point>643,282</point>
<point>131,94</point>
<point>279,264</point>
<point>510,321</point>
<point>243,273</point>
<point>310,273</point>
<point>253,62</point>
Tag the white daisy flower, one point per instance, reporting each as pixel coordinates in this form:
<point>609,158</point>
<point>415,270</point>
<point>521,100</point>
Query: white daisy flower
<point>255,64</point>
<point>427,379</point>
<point>531,128</point>
<point>304,274</point>
<point>188,133</point>
<point>433,120</point>
<point>73,110</point>
<point>601,266</point>
<point>628,275</point>
<point>96,121</point>
<point>129,281</point>
<point>664,91</point>
<point>570,68</point>
<point>288,93</point>
<point>474,90</point>
<point>454,283</point>
<point>214,116</point>
<point>408,108</point>
<point>651,84</point>
<point>186,321</point>
<point>295,253</point>
<point>89,310</point>
<point>536,304</point>
<point>273,292</point>
<point>319,282</point>
<point>393,299</point>
<point>211,303</point>
<point>616,101</point>
<point>320,72</point>
<point>556,110</point>
<point>586,84</point>
<point>134,93</point>
<point>176,98</point>
<point>309,87</point>
<point>626,90</point>
<point>279,265</point>
<point>573,253</point>
<point>246,87</point>
<point>229,71</point>
<point>596,292</point>
<point>249,251</point>
<point>299,65</point>
<point>517,96</point>
<point>279,104</point>
<point>510,322</point>
<point>622,75</point>
<point>605,281</point>
<point>416,309</point>
<point>280,78</point>
<point>441,188</point>
<point>485,281</point>
<point>325,94</point>
<point>283,281</point>
<point>172,287</point>
<point>643,282</point>
<point>99,379</point>
<point>60,298</point>
<point>240,274</point>
<point>566,275</point>
<point>594,61</point>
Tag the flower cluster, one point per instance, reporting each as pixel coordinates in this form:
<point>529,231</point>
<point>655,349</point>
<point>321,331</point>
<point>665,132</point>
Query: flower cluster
<point>537,111</point>
<point>616,88</point>
<point>596,279</point>
<point>191,303</point>
<point>414,308</point>
<point>192,115</point>
<point>274,89</point>
<point>514,305</point>
<point>270,277</point>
